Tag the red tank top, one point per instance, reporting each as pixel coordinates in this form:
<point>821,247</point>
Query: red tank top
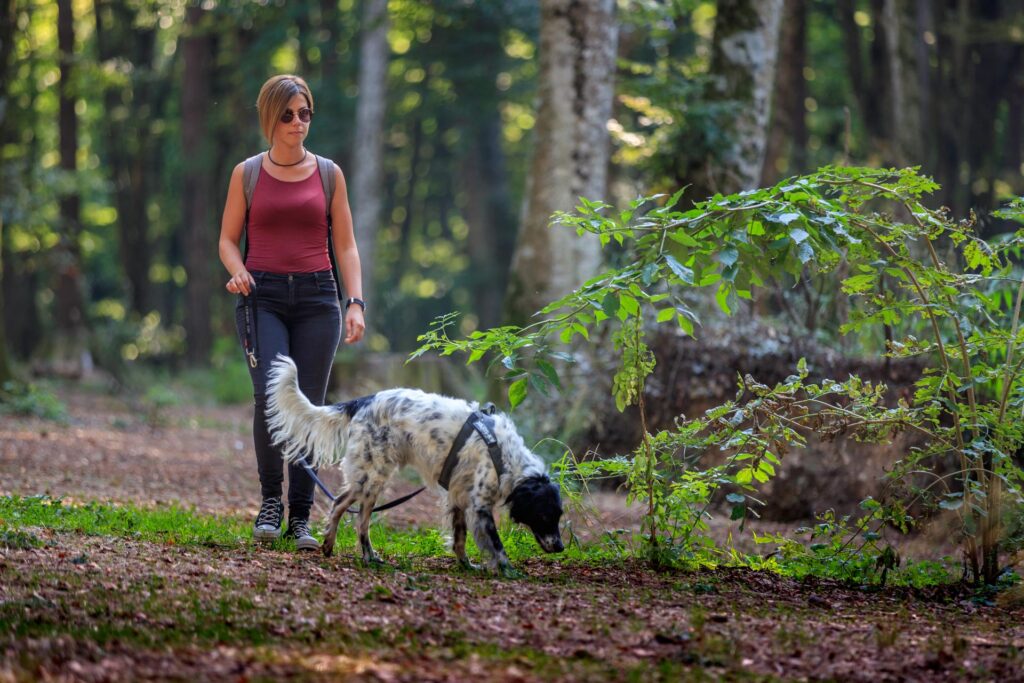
<point>287,230</point>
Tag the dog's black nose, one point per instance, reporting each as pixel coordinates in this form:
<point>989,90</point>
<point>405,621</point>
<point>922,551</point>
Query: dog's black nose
<point>551,544</point>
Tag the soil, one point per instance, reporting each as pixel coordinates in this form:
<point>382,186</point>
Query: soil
<point>98,608</point>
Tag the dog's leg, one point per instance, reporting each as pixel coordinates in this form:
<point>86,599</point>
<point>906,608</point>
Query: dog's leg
<point>459,537</point>
<point>341,504</point>
<point>485,533</point>
<point>370,556</point>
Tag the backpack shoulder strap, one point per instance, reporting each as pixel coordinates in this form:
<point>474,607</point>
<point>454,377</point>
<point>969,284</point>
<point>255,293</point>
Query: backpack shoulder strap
<point>326,167</point>
<point>250,174</point>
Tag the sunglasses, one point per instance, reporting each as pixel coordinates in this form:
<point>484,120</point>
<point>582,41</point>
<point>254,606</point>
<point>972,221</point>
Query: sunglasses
<point>305,115</point>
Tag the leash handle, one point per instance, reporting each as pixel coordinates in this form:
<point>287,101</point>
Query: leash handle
<point>249,304</point>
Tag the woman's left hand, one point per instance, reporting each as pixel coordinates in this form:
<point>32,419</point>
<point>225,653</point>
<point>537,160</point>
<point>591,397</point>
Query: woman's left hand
<point>354,324</point>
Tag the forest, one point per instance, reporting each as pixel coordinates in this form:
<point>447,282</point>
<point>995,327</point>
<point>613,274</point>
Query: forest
<point>746,274</point>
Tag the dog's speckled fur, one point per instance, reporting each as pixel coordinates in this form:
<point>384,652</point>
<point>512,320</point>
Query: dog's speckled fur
<point>375,435</point>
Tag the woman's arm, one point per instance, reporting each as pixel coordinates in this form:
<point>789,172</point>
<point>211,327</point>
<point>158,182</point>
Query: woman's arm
<point>231,226</point>
<point>347,255</point>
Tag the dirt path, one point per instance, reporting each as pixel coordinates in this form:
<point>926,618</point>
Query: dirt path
<point>100,608</point>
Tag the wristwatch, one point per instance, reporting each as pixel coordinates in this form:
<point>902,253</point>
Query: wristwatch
<point>352,300</point>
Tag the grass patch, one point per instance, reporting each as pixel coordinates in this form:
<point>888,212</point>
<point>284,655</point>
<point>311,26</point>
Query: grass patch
<point>170,525</point>
<point>31,400</point>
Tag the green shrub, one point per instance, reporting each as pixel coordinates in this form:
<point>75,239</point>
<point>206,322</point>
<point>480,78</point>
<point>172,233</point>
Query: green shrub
<point>960,312</point>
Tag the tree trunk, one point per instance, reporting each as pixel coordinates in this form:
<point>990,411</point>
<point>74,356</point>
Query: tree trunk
<point>199,235</point>
<point>8,18</point>
<point>743,58</point>
<point>367,174</point>
<point>490,220</point>
<point>128,140</point>
<point>789,121</point>
<point>72,356</point>
<point>899,27</point>
<point>570,151</point>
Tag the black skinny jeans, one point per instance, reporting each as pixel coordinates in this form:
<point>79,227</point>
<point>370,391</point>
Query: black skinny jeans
<point>297,315</point>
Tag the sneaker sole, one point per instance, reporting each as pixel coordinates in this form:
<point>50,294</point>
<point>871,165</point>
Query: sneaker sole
<point>266,535</point>
<point>307,544</point>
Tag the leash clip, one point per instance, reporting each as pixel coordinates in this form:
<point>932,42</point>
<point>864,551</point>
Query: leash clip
<point>252,358</point>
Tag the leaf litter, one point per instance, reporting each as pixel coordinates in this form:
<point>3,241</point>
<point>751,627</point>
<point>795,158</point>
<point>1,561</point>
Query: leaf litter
<point>92,608</point>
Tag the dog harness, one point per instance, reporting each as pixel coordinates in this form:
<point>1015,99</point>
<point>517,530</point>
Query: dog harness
<point>479,421</point>
<point>482,423</point>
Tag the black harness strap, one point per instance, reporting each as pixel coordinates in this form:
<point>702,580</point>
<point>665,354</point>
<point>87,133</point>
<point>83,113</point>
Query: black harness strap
<point>480,422</point>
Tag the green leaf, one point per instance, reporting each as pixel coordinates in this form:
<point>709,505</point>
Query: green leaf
<point>682,272</point>
<point>683,238</point>
<point>722,297</point>
<point>549,371</point>
<point>628,304</point>
<point>685,324</point>
<point>648,273</point>
<point>951,504</point>
<point>727,257</point>
<point>859,283</point>
<point>745,475</point>
<point>665,314</point>
<point>517,392</point>
<point>735,497</point>
<point>610,304</point>
<point>806,252</point>
<point>799,235</point>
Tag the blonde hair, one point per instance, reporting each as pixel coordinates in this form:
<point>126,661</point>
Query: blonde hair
<point>273,100</point>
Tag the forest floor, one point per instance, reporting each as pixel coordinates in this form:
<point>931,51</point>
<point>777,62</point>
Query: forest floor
<point>98,603</point>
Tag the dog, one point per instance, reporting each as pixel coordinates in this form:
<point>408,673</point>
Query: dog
<point>375,435</point>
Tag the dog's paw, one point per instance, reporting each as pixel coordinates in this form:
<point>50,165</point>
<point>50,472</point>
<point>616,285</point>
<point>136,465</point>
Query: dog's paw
<point>373,560</point>
<point>328,549</point>
<point>507,571</point>
<point>469,566</point>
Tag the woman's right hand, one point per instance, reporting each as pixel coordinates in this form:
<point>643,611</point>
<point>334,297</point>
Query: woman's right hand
<point>241,283</point>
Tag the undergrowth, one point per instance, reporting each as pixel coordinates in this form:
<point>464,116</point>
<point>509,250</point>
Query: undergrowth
<point>22,520</point>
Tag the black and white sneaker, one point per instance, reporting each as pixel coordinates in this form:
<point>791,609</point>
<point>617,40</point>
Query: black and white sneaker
<point>298,529</point>
<point>267,527</point>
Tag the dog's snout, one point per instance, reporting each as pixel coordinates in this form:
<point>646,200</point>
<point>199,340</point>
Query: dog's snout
<point>552,544</point>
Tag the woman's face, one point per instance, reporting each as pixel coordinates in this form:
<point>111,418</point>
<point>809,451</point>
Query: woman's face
<point>292,134</point>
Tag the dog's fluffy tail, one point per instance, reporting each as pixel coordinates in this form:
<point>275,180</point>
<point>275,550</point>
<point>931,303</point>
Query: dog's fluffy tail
<point>298,426</point>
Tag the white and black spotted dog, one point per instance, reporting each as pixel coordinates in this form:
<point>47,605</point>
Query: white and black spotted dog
<point>375,435</point>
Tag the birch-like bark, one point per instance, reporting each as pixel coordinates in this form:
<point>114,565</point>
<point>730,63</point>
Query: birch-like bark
<point>368,161</point>
<point>744,55</point>
<point>578,42</point>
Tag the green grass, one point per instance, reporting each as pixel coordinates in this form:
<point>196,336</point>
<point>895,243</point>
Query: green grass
<point>401,548</point>
<point>175,525</point>
<point>172,524</point>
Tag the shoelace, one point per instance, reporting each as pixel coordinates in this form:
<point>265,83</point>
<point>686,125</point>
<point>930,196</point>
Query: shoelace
<point>300,528</point>
<point>270,513</point>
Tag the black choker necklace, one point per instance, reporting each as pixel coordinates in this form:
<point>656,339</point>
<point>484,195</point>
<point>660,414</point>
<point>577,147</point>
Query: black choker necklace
<point>283,165</point>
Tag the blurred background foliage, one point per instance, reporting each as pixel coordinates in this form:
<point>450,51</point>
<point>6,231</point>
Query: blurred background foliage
<point>935,83</point>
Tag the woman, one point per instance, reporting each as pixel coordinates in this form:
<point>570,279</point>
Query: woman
<point>288,299</point>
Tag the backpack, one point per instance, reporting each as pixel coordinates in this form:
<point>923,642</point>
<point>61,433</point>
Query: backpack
<point>251,173</point>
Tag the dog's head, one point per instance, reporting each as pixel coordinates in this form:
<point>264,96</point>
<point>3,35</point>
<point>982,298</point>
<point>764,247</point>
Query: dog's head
<point>536,503</point>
